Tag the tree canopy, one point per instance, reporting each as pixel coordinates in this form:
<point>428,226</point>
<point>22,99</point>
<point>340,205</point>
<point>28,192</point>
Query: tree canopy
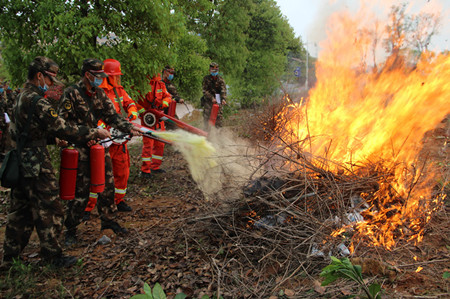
<point>250,39</point>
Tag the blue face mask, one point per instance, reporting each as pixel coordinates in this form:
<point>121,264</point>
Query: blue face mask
<point>1,90</point>
<point>170,77</point>
<point>96,82</point>
<point>43,88</point>
<point>214,73</point>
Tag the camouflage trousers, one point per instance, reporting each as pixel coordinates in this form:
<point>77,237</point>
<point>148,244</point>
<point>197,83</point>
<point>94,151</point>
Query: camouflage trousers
<point>35,204</point>
<point>105,202</point>
<point>207,113</point>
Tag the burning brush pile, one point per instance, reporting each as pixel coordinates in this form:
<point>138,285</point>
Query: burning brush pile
<point>346,169</point>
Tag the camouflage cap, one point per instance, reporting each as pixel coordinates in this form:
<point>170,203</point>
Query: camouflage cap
<point>169,69</point>
<point>94,66</point>
<point>213,64</point>
<point>47,67</point>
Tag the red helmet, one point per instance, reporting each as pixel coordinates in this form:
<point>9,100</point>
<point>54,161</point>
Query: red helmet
<point>112,67</point>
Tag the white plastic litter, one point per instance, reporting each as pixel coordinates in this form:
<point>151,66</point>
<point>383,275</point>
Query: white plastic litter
<point>104,240</point>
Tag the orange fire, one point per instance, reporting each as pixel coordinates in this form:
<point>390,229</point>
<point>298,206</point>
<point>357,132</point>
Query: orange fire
<point>359,113</point>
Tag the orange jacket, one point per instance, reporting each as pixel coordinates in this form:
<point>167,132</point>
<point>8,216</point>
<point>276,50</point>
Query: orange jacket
<point>127,103</point>
<point>158,98</point>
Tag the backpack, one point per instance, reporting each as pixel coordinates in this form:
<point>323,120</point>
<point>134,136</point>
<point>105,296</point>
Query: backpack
<point>10,170</point>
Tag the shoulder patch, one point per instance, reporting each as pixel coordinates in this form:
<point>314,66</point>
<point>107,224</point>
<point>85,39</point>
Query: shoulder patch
<point>67,105</point>
<point>53,112</point>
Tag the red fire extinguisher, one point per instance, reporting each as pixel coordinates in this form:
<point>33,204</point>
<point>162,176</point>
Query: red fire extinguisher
<point>172,108</point>
<point>97,157</point>
<point>213,116</point>
<point>68,173</point>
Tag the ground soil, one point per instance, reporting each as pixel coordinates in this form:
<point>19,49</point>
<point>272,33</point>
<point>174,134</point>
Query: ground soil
<point>165,244</point>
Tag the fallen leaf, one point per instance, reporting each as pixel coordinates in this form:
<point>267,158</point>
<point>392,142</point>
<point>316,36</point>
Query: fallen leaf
<point>289,292</point>
<point>346,292</point>
<point>318,287</point>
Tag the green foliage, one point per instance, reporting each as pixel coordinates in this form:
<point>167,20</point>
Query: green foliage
<point>226,36</point>
<point>446,275</point>
<point>345,269</point>
<point>138,33</point>
<point>180,296</point>
<point>250,40</point>
<point>3,71</point>
<point>190,66</point>
<point>157,293</point>
<point>269,37</point>
<point>19,280</point>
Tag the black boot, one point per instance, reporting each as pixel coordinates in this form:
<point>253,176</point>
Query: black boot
<point>71,238</point>
<point>86,216</point>
<point>146,175</point>
<point>159,170</point>
<point>64,261</point>
<point>117,229</point>
<point>123,207</point>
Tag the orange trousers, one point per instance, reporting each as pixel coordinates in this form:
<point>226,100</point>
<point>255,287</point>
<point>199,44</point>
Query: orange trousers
<point>121,168</point>
<point>152,151</point>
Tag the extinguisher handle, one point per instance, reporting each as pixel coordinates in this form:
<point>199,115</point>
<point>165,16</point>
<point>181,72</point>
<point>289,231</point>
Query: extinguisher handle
<point>125,136</point>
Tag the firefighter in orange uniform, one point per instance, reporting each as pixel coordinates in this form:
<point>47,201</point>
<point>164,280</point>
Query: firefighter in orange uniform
<point>119,152</point>
<point>152,151</point>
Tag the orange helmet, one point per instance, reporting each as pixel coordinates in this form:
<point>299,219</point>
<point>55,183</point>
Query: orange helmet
<point>112,67</point>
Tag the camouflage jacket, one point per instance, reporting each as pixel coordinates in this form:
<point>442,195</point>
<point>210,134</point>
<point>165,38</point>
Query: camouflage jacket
<point>3,109</point>
<point>80,107</point>
<point>35,158</point>
<point>213,85</point>
<point>172,90</point>
<point>10,103</point>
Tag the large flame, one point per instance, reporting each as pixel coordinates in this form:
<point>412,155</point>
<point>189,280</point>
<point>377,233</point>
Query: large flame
<point>359,112</point>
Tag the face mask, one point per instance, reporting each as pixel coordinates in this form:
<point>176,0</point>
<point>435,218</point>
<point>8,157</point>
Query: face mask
<point>170,77</point>
<point>214,73</point>
<point>1,90</point>
<point>96,82</point>
<point>43,88</point>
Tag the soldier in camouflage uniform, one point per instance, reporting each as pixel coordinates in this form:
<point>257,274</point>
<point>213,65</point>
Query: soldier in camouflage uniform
<point>3,124</point>
<point>213,84</point>
<point>86,103</point>
<point>36,203</point>
<point>11,97</point>
<point>167,77</point>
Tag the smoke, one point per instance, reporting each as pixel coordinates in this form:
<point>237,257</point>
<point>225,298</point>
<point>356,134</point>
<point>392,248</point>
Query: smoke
<point>317,31</point>
<point>236,160</point>
<point>220,165</point>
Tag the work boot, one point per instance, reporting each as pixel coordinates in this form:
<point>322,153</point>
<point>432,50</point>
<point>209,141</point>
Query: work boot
<point>159,170</point>
<point>64,261</point>
<point>86,216</point>
<point>71,238</point>
<point>146,175</point>
<point>117,229</point>
<point>123,207</point>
